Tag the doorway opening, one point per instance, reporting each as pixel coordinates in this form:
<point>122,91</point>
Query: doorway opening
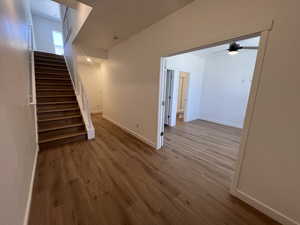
<point>206,94</point>
<point>176,109</point>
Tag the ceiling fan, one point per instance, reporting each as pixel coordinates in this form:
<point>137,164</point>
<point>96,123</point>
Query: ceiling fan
<point>235,47</point>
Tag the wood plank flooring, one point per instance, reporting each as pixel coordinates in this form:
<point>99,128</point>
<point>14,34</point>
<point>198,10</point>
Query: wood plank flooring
<point>117,180</point>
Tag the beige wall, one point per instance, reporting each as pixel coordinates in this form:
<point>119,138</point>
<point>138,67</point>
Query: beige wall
<point>90,75</point>
<point>17,131</point>
<point>269,172</point>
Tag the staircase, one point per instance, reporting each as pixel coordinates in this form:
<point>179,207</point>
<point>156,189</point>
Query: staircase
<point>58,113</point>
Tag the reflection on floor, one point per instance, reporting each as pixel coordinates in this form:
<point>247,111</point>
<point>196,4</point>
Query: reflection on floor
<point>117,180</point>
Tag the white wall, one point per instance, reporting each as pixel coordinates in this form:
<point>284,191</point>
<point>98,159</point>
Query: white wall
<point>90,74</point>
<point>271,163</point>
<point>219,85</point>
<point>43,28</point>
<point>226,87</point>
<point>17,130</point>
<point>76,18</point>
<point>194,65</point>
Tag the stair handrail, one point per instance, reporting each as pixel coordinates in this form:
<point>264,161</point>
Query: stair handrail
<point>77,83</point>
<point>81,93</point>
<point>81,99</point>
<point>32,87</point>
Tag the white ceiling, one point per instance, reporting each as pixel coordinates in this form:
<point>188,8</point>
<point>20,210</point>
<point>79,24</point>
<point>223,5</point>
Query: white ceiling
<point>121,18</point>
<point>46,8</point>
<point>223,48</point>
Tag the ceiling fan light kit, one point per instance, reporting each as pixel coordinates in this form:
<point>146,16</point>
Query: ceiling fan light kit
<point>234,48</point>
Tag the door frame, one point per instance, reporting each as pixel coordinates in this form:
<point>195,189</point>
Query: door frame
<point>170,101</point>
<point>250,106</point>
<point>252,95</point>
<point>264,37</point>
<point>187,95</point>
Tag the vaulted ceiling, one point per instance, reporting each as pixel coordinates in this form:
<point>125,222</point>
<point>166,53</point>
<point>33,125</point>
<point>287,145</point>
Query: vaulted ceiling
<point>112,21</point>
<point>46,8</point>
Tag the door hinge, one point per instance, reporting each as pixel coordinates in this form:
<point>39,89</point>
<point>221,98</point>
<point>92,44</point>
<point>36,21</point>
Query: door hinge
<point>162,134</point>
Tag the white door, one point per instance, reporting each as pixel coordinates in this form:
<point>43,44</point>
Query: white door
<point>168,96</point>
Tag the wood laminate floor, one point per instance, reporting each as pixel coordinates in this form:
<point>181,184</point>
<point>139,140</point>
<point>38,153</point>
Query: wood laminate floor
<point>117,180</point>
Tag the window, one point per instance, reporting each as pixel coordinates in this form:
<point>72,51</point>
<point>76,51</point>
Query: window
<point>58,42</point>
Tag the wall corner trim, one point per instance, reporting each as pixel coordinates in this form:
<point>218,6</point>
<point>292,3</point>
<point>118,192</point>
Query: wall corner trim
<point>28,205</point>
<point>133,133</point>
<point>267,210</point>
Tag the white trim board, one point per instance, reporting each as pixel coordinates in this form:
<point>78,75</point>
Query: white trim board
<point>136,135</point>
<point>234,190</point>
<point>250,107</point>
<point>28,205</point>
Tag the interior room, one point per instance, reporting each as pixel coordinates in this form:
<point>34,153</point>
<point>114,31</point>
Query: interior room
<point>149,112</point>
<point>206,97</point>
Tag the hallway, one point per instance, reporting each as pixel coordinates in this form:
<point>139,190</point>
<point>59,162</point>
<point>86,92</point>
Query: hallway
<point>117,180</point>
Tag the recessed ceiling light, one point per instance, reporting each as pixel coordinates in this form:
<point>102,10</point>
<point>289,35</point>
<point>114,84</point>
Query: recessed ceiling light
<point>88,59</point>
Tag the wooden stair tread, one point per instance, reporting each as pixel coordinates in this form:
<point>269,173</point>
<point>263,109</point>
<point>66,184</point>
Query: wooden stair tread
<point>55,96</point>
<point>51,78</point>
<point>65,73</point>
<point>40,58</point>
<point>54,89</point>
<point>46,54</point>
<point>53,103</point>
<point>61,127</point>
<point>51,56</point>
<point>59,137</point>
<point>41,68</point>
<point>52,68</point>
<point>53,84</point>
<point>59,118</point>
<point>46,63</point>
<point>58,110</point>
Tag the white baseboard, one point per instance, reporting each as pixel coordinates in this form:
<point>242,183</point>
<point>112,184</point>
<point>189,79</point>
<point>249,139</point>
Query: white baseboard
<point>274,214</point>
<point>27,212</point>
<point>138,136</point>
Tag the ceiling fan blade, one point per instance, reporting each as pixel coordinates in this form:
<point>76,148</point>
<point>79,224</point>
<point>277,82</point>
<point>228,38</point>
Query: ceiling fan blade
<point>251,47</point>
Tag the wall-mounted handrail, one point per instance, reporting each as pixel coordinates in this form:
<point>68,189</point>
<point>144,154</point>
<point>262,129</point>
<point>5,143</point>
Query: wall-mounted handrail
<point>32,87</point>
